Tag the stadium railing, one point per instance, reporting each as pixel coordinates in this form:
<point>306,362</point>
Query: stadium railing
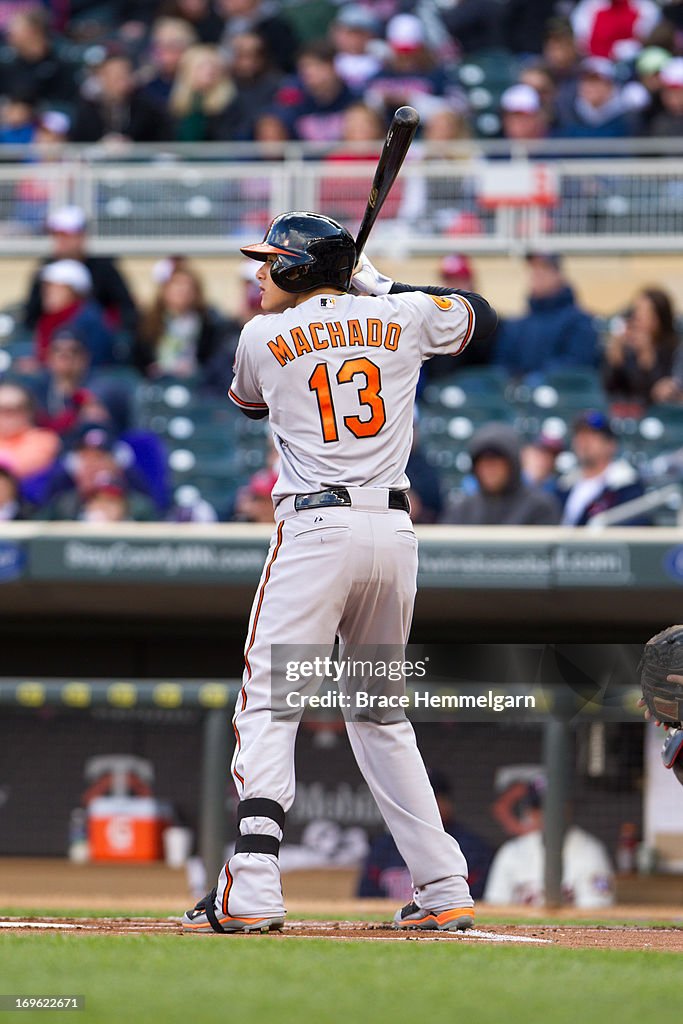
<point>604,195</point>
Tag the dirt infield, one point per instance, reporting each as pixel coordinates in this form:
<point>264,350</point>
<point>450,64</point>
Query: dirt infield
<point>40,896</point>
<point>669,940</point>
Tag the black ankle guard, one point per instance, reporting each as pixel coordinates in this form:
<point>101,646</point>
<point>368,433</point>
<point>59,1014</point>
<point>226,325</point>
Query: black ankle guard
<point>258,844</point>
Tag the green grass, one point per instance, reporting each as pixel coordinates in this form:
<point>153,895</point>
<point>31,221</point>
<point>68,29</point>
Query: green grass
<point>169,979</point>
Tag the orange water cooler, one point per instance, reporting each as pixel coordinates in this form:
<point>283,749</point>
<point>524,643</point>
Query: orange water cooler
<point>127,828</point>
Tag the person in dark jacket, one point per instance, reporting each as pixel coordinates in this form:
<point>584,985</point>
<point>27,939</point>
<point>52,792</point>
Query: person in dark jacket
<point>119,110</point>
<point>555,333</point>
<point>640,354</point>
<point>33,68</point>
<point>600,481</point>
<point>502,498</point>
<point>313,104</point>
<point>601,109</point>
<point>264,18</point>
<point>68,235</point>
<point>385,875</point>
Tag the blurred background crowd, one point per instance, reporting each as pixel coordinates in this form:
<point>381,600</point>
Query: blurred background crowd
<point>113,408</point>
<point>320,70</point>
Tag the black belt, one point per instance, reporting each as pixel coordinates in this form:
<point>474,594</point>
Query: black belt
<point>335,497</point>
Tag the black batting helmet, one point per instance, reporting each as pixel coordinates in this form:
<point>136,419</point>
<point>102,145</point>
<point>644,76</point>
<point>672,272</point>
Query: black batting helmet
<point>311,251</point>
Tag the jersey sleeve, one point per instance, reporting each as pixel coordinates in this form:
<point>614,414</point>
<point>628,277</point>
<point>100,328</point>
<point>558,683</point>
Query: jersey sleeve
<point>447,323</point>
<point>245,390</point>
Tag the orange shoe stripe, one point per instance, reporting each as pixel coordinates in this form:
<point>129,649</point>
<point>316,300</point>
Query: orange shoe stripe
<point>452,915</point>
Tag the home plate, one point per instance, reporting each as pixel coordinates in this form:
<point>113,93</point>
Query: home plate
<point>475,933</point>
<point>36,924</point>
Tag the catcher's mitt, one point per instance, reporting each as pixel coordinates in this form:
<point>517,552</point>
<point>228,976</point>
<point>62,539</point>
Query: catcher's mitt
<point>663,656</point>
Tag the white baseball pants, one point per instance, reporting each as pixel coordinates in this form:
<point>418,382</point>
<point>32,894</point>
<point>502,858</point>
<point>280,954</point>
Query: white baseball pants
<point>351,572</point>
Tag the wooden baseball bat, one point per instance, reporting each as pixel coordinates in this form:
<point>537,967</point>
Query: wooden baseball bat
<point>397,143</point>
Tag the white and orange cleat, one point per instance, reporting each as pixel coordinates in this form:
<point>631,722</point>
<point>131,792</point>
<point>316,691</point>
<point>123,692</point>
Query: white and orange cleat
<point>456,920</point>
<point>204,919</point>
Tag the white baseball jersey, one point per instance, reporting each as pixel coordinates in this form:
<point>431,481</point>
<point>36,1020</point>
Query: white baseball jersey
<point>337,374</point>
<point>516,874</point>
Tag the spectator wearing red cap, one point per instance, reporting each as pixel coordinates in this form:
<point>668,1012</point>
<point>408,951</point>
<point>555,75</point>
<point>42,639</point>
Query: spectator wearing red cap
<point>668,123</point>
<point>600,26</point>
<point>68,230</point>
<point>253,503</point>
<point>539,462</point>
<point>456,272</point>
<point>106,501</point>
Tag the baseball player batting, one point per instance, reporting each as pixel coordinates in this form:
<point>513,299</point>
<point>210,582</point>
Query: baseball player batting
<point>334,366</point>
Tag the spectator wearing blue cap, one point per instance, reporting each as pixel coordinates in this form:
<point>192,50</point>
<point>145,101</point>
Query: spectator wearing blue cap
<point>600,480</point>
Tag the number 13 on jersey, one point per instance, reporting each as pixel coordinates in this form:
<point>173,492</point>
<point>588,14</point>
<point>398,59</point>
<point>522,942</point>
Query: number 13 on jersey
<point>369,395</point>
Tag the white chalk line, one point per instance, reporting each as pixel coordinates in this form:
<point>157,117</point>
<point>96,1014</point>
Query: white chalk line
<point>37,924</point>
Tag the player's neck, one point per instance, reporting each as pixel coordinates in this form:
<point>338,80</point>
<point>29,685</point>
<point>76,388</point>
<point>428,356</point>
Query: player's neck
<point>305,296</point>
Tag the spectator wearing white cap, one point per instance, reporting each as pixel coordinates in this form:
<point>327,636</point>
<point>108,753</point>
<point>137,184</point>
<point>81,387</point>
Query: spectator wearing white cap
<point>67,228</point>
<point>66,300</point>
<point>601,110</point>
<point>52,128</point>
<point>523,115</point>
<point>669,122</point>
<point>411,73</point>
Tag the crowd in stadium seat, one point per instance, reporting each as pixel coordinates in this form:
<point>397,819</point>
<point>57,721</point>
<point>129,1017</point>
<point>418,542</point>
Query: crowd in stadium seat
<point>222,70</point>
<point>110,409</point>
<point>113,409</point>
